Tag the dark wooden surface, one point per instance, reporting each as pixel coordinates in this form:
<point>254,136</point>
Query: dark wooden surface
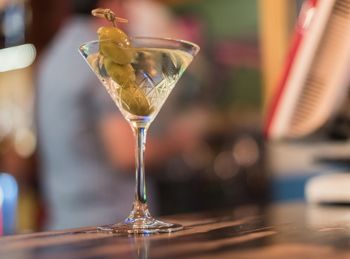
<point>279,231</point>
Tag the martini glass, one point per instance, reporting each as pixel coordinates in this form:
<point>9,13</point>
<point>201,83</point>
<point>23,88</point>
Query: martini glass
<point>139,90</point>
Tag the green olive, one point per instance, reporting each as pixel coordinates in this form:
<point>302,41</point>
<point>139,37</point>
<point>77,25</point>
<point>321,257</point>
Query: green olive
<point>114,34</point>
<point>118,53</point>
<point>135,101</point>
<point>115,44</point>
<point>121,56</point>
<point>122,74</point>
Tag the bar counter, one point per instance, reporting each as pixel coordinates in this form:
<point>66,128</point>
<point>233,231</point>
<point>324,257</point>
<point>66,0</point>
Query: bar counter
<point>290,230</point>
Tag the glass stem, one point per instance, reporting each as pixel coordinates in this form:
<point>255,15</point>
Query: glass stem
<point>140,208</point>
<point>140,192</point>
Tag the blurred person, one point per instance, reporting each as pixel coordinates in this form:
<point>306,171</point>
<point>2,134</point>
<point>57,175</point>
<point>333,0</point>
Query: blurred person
<point>86,147</point>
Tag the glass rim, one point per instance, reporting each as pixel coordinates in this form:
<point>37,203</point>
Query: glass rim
<point>193,45</point>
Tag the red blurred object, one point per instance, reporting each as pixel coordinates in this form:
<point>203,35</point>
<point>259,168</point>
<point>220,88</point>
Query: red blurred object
<point>315,75</point>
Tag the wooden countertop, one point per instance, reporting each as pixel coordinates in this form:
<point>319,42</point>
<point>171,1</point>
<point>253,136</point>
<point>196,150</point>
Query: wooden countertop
<point>279,231</point>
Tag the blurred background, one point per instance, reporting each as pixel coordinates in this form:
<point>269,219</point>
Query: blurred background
<point>243,46</point>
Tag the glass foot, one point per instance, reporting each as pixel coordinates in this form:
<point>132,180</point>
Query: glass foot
<point>141,226</point>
